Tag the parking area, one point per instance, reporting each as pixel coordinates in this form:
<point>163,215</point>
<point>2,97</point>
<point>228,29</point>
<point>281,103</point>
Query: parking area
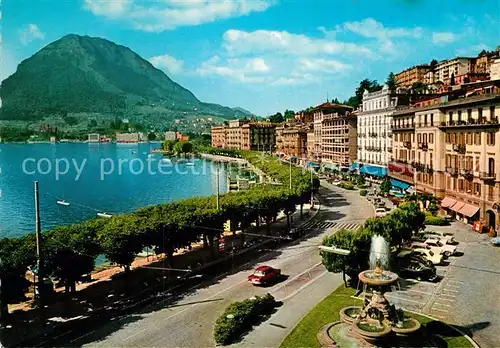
<point>466,293</point>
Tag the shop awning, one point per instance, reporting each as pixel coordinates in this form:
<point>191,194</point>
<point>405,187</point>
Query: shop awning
<point>373,170</point>
<point>469,210</point>
<point>410,190</point>
<point>312,164</point>
<point>330,166</point>
<point>457,206</point>
<point>354,166</point>
<point>399,184</point>
<point>447,202</point>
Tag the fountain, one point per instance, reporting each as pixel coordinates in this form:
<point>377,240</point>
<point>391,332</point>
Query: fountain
<point>377,322</point>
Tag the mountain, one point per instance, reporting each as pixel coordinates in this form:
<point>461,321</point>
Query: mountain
<point>82,75</point>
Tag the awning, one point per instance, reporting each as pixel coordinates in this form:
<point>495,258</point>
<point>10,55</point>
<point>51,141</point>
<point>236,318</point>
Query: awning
<point>447,202</point>
<point>354,166</point>
<point>410,190</point>
<point>373,170</point>
<point>293,158</point>
<point>399,184</point>
<point>312,164</point>
<point>457,206</point>
<point>469,210</point>
<point>330,166</point>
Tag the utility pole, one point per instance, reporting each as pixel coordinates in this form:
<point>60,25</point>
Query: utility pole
<point>217,174</point>
<point>38,241</point>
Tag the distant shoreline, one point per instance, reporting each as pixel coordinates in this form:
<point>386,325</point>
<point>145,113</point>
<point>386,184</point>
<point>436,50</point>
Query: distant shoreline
<point>81,142</point>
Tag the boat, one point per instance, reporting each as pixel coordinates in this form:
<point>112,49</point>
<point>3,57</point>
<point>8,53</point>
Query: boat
<point>495,241</point>
<point>63,202</point>
<point>104,215</point>
<point>190,164</point>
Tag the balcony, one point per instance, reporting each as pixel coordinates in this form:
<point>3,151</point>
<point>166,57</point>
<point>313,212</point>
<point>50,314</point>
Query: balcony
<point>452,170</point>
<point>487,176</point>
<point>407,144</point>
<point>409,126</point>
<point>467,173</point>
<point>460,148</point>
<point>424,168</point>
<point>372,134</point>
<point>483,123</point>
<point>423,146</point>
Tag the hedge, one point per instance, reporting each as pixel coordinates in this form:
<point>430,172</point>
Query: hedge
<point>363,192</point>
<point>240,317</point>
<point>348,186</point>
<point>432,220</point>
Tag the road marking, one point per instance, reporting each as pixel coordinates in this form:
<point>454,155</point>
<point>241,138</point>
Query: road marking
<point>446,299</point>
<point>303,286</point>
<point>403,299</point>
<point>441,304</point>
<point>439,310</point>
<point>420,292</point>
<point>138,332</point>
<point>455,281</point>
<point>82,336</point>
<point>455,286</point>
<point>450,290</point>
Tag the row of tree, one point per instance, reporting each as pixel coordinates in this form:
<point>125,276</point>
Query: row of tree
<point>70,251</point>
<point>396,227</point>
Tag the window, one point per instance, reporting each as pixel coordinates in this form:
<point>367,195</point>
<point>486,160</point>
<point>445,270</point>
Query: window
<point>477,189</point>
<point>490,139</point>
<point>431,179</point>
<point>450,116</point>
<point>419,138</point>
<point>469,114</point>
<point>430,160</point>
<point>453,138</point>
<point>459,115</point>
<point>492,112</point>
<point>448,138</point>
<point>469,138</point>
<point>491,166</point>
<point>431,138</point>
<point>480,113</point>
<point>432,119</point>
<point>477,138</point>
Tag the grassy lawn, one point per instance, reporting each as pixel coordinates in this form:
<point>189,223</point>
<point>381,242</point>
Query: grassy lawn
<point>327,311</point>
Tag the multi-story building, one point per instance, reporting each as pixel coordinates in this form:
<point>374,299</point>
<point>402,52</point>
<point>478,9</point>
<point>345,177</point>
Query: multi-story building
<point>94,138</point>
<point>408,77</point>
<point>245,135</point>
<point>452,150</point>
<point>260,136</point>
<point>335,135</point>
<point>219,136</point>
<point>374,130</point>
<point>291,139</point>
<point>484,60</point>
<point>128,137</point>
<point>456,66</point>
<point>495,70</point>
<point>310,142</point>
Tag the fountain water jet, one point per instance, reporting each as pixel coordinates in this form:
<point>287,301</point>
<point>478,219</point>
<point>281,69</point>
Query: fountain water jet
<point>379,251</point>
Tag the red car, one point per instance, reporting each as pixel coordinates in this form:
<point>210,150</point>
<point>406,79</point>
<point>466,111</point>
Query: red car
<point>264,275</point>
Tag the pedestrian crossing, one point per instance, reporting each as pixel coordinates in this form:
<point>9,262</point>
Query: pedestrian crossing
<point>324,225</point>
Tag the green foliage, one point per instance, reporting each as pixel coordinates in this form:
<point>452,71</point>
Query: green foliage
<point>391,81</point>
<point>276,118</point>
<point>240,316</point>
<point>348,186</point>
<point>360,180</point>
<point>385,187</point>
<point>366,84</point>
<point>289,114</point>
<point>432,220</point>
<point>183,147</point>
<point>151,136</point>
<point>168,145</point>
<point>363,192</point>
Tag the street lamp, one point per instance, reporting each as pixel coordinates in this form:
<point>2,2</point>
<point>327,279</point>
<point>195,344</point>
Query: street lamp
<point>334,250</point>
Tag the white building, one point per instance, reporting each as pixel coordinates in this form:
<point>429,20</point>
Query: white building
<point>456,66</point>
<point>374,130</point>
<point>94,138</point>
<point>170,135</point>
<point>495,70</point>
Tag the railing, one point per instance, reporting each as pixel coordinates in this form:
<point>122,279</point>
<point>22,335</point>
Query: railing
<point>423,146</point>
<point>460,148</point>
<point>407,144</point>
<point>424,168</point>
<point>472,122</point>
<point>467,173</point>
<point>403,126</point>
<point>487,176</point>
<point>452,170</point>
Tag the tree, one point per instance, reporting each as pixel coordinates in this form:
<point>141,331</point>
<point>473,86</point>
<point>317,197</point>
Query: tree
<point>385,187</point>
<point>183,147</point>
<point>360,180</point>
<point>168,145</point>
<point>336,101</point>
<point>151,136</point>
<point>276,118</point>
<point>434,62</point>
<point>419,87</point>
<point>289,114</point>
<point>391,81</point>
<point>366,84</point>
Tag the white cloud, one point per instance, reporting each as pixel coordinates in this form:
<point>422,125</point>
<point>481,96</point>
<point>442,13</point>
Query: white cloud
<point>245,70</point>
<point>30,33</point>
<point>444,37</point>
<point>323,65</point>
<point>168,63</point>
<point>169,14</point>
<point>370,28</point>
<point>238,42</point>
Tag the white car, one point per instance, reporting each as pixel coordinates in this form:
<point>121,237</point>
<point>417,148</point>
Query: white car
<point>441,248</point>
<point>336,182</point>
<point>445,238</point>
<point>429,255</point>
<point>380,212</point>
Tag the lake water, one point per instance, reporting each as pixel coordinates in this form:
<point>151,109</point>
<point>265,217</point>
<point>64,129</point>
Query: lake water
<point>92,178</point>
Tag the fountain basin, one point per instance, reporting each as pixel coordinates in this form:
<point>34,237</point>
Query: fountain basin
<point>371,278</point>
<point>410,325</point>
<point>350,314</point>
<point>370,330</point>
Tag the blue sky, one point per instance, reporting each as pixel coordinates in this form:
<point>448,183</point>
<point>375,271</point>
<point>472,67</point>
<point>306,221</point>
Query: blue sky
<point>262,55</point>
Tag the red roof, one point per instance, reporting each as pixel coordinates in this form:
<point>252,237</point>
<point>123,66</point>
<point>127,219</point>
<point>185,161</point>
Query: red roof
<point>329,105</point>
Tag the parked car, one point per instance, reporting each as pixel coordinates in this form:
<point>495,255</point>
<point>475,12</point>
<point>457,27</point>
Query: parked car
<point>336,182</point>
<point>380,212</point>
<point>370,196</point>
<point>442,248</point>
<point>425,251</point>
<point>447,238</point>
<point>410,265</point>
<point>264,275</point>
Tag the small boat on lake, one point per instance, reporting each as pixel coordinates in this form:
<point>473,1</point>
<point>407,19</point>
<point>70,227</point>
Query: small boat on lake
<point>63,202</point>
<point>104,215</point>
<point>190,164</point>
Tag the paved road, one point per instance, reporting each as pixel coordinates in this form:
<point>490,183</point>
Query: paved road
<point>190,321</point>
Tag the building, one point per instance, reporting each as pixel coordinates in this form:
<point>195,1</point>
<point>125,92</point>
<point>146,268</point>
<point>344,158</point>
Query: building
<point>219,136</point>
<point>245,135</point>
<point>495,70</point>
<point>408,77</point>
<point>310,142</point>
<point>128,137</point>
<point>453,67</point>
<point>94,138</point>
<point>335,134</point>
<point>374,130</point>
<point>484,61</point>
<point>452,150</point>
<point>291,140</point>
<point>181,137</point>
<point>170,135</point>
<point>258,136</point>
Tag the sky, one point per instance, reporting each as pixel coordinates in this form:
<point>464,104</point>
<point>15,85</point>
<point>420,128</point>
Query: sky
<point>262,55</point>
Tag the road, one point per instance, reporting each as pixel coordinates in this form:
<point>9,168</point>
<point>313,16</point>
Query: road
<point>189,321</point>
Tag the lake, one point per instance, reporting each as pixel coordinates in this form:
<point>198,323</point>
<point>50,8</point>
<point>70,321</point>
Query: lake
<point>111,178</point>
